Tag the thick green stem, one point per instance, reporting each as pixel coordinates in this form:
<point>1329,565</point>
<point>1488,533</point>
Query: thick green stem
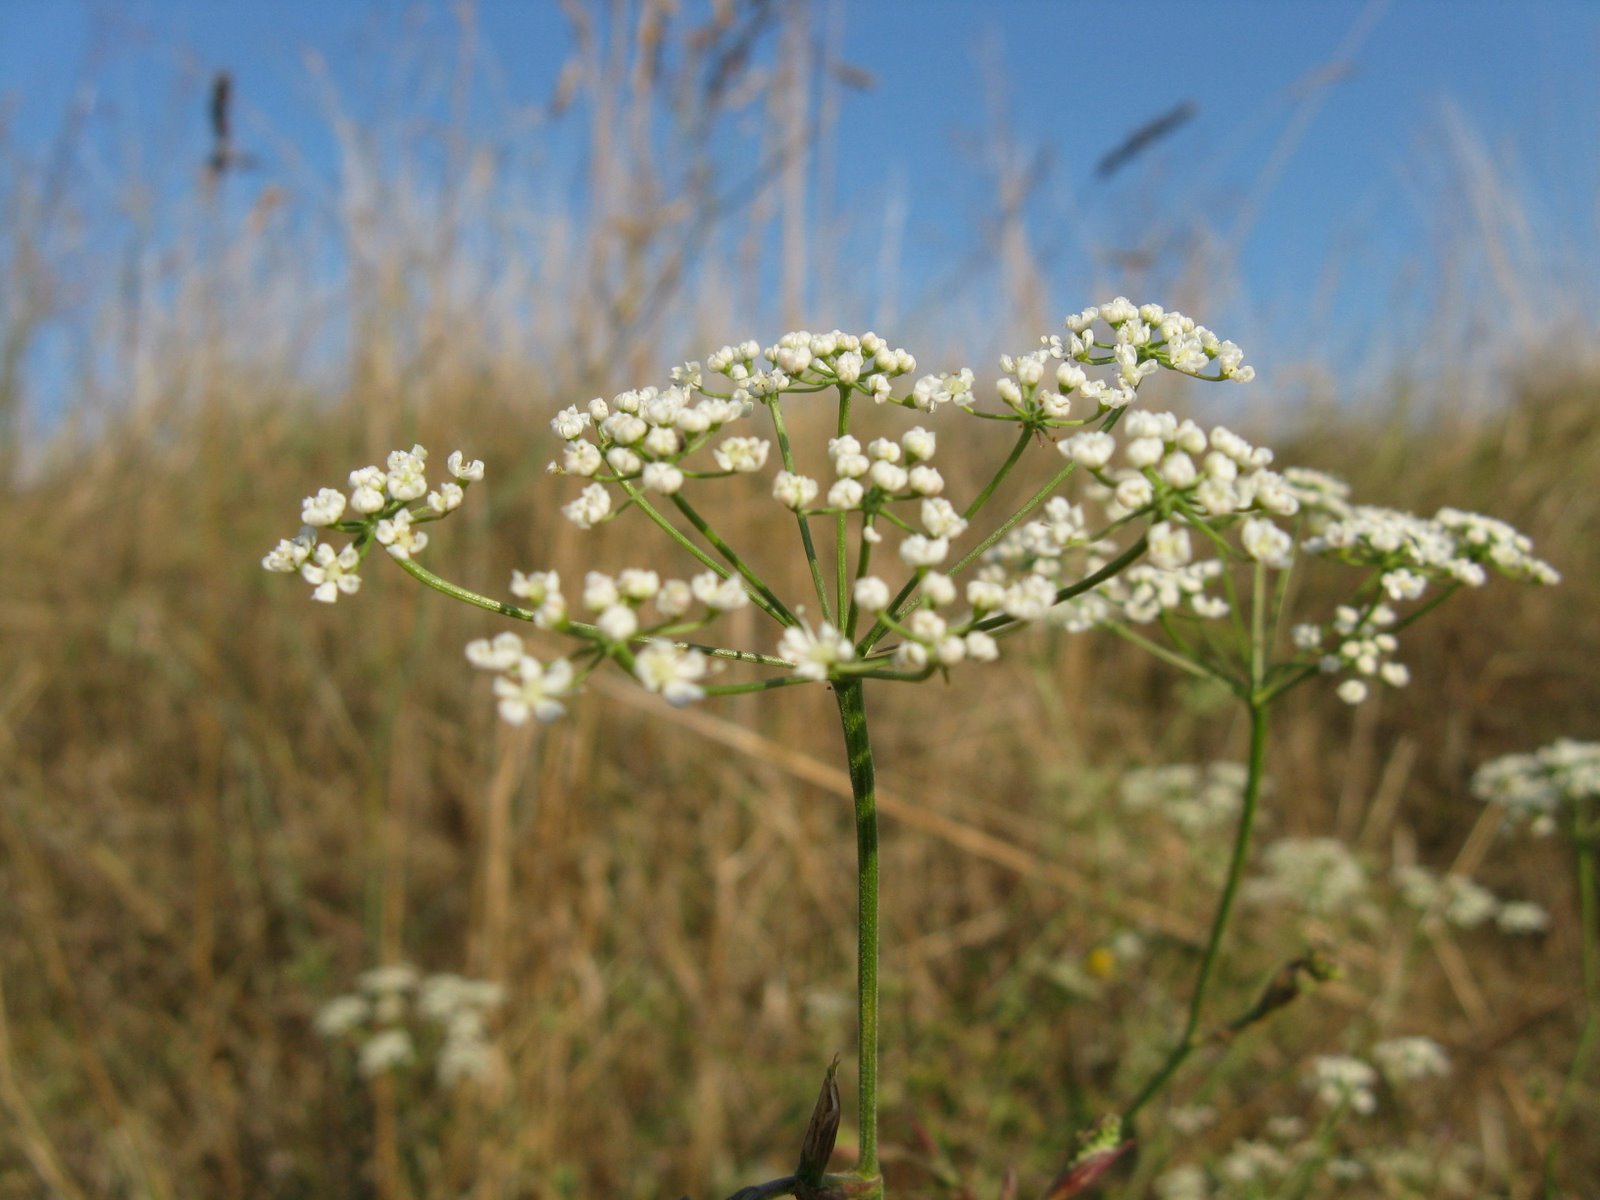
<point>853,718</point>
<point>1230,890</point>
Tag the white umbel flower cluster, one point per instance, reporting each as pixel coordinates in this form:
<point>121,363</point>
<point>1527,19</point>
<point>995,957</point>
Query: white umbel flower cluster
<point>397,1015</point>
<point>1535,788</point>
<point>1343,1081</point>
<point>385,506</point>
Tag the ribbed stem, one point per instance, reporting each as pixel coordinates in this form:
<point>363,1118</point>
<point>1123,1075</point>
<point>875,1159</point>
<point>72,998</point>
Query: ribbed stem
<point>858,749</point>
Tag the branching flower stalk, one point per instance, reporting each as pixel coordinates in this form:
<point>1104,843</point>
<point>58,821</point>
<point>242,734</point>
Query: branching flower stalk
<point>1140,527</point>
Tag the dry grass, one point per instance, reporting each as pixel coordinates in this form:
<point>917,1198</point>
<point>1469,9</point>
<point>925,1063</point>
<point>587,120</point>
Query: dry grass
<point>222,803</point>
<point>219,803</point>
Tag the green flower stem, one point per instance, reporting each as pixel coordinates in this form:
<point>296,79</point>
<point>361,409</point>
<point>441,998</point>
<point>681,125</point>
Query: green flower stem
<point>1005,527</point>
<point>841,565</point>
<point>765,598</point>
<point>999,476</point>
<point>572,628</point>
<point>999,623</point>
<point>863,562</point>
<point>858,749</point>
<point>787,454</point>
<point>1589,915</point>
<point>1241,851</point>
<point>1258,626</point>
<point>1269,694</point>
<point>1192,666</point>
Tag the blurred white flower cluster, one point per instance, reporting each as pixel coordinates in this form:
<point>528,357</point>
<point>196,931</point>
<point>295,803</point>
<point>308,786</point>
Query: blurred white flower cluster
<point>1194,798</point>
<point>397,1015</point>
<point>1535,788</point>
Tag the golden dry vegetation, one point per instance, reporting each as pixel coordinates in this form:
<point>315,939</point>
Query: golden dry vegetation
<point>219,804</point>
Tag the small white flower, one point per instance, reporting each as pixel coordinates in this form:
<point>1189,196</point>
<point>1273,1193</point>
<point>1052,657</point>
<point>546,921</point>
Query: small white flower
<point>846,494</point>
<point>397,536</point>
<point>569,423</point>
<point>406,477</point>
<point>542,590</point>
<point>919,444</point>
<point>1408,1059</point>
<point>501,654</point>
<point>466,472</point>
<point>332,573</point>
<point>447,499</point>
<point>1089,450</point>
<point>872,594</point>
<point>742,454</point>
<point>326,507</point>
<point>1352,691</point>
<point>815,654</point>
<point>981,647</point>
<point>341,1015</point>
<point>794,491</point>
<point>618,623</point>
<point>1169,545</point>
<point>662,477</point>
<point>919,551</point>
<point>367,486</point>
<point>385,1051</point>
<point>939,590</point>
<point>1522,916</point>
<point>535,690</point>
<point>925,480</point>
<point>1266,543</point>
<point>590,508</point>
<point>286,557</point>
<point>1340,1079</point>
<point>718,593</point>
<point>674,673</point>
<point>940,518</point>
<point>626,463</point>
<point>891,477</point>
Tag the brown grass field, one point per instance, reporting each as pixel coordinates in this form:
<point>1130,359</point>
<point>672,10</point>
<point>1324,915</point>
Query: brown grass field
<point>219,804</point>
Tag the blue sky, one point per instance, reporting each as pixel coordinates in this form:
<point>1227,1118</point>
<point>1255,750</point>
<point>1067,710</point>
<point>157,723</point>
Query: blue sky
<point>1319,152</point>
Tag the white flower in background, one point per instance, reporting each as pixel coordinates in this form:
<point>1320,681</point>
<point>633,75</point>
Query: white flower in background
<point>1187,1182</point>
<point>1534,788</point>
<point>590,508</point>
<point>872,594</point>
<point>385,1051</point>
<point>533,689</point>
<point>1522,917</point>
<point>1267,544</point>
<point>342,1015</point>
<point>715,592</point>
<point>465,471</point>
<point>501,653</point>
<point>1317,875</point>
<point>742,454</point>
<point>542,591</point>
<point>1340,1080</point>
<point>1409,1059</point>
<point>331,573</point>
